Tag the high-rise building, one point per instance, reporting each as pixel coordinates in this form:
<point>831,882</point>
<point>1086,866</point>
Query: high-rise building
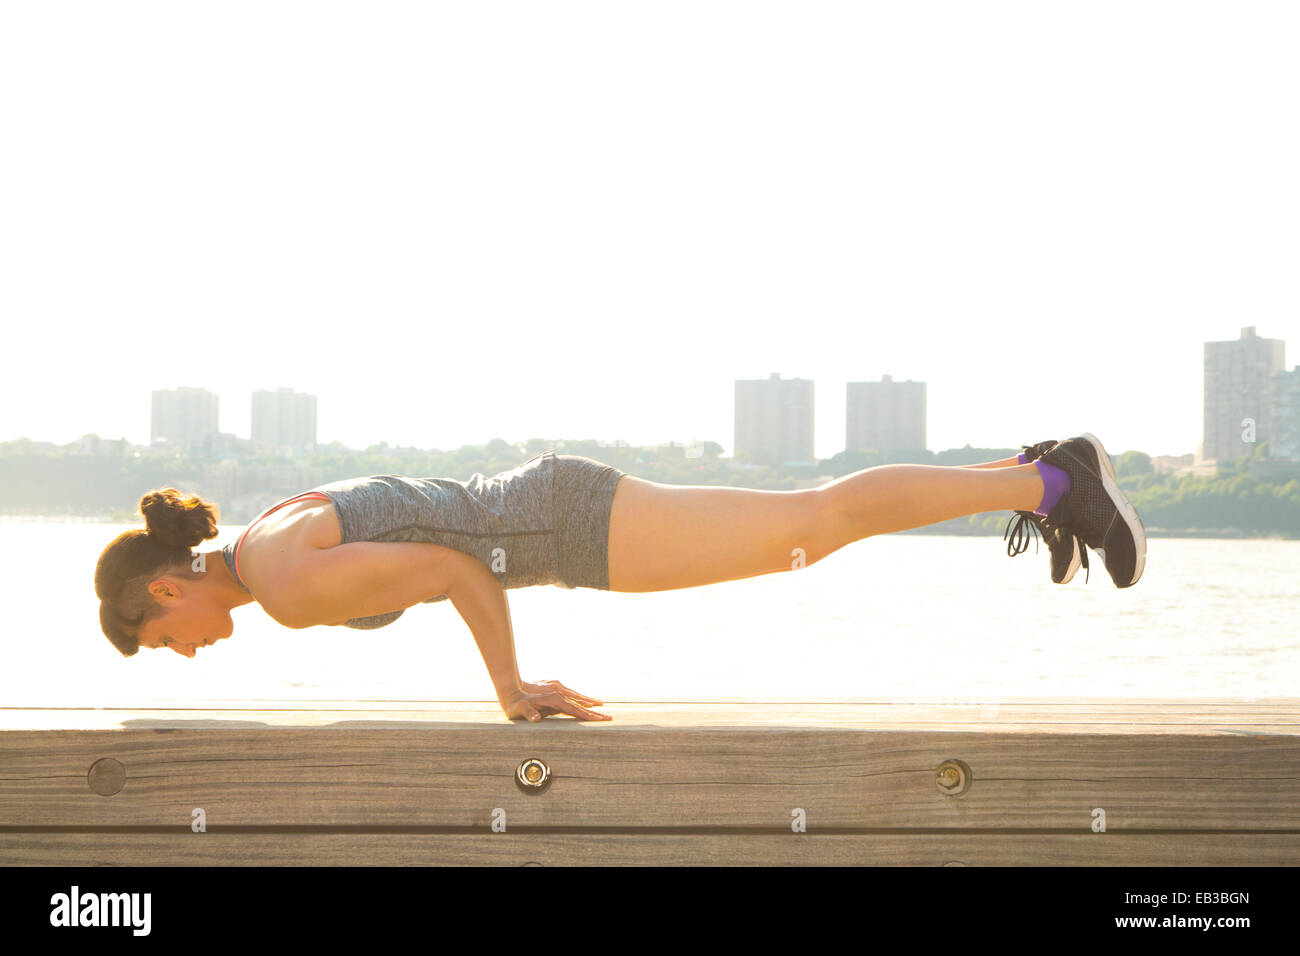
<point>885,415</point>
<point>185,417</point>
<point>1239,394</point>
<point>1286,392</point>
<point>774,421</point>
<point>284,420</point>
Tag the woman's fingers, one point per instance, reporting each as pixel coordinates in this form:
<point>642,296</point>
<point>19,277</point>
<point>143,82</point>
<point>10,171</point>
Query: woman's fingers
<point>551,697</point>
<point>561,704</point>
<point>581,698</point>
<point>583,713</point>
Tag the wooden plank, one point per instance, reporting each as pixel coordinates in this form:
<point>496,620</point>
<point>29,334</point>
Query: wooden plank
<point>1031,716</point>
<point>216,848</point>
<point>440,773</point>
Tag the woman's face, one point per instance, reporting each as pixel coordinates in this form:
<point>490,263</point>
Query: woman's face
<point>193,618</point>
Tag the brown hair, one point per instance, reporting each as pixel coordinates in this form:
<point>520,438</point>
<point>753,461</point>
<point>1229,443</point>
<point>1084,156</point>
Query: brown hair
<point>173,526</point>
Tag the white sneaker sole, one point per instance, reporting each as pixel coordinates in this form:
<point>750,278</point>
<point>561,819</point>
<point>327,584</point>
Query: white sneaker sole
<point>1075,563</point>
<point>1126,510</point>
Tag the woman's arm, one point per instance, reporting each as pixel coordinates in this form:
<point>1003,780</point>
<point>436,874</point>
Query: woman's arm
<point>331,585</point>
<point>481,602</point>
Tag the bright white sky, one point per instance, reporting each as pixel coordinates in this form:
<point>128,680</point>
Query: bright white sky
<point>459,221</point>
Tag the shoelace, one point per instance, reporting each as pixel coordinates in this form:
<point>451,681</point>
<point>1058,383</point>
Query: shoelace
<point>1026,527</point>
<point>1019,536</point>
<point>1065,528</point>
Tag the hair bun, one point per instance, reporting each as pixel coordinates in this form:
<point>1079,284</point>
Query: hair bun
<point>178,521</point>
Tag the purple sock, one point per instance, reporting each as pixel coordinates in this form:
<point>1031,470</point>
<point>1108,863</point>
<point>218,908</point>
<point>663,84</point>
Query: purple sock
<point>1022,459</point>
<point>1055,484</point>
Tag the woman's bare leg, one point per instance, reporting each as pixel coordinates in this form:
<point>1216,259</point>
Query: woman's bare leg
<point>664,537</point>
<point>1004,463</point>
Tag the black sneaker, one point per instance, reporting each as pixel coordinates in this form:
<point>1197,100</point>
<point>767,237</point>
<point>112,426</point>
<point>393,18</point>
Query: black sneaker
<point>1096,510</point>
<point>1067,554</point>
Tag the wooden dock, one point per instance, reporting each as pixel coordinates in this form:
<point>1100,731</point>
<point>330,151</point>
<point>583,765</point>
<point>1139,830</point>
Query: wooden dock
<point>1043,782</point>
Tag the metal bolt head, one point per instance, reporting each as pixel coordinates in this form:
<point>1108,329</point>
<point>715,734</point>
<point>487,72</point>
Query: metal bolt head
<point>533,775</point>
<point>953,777</point>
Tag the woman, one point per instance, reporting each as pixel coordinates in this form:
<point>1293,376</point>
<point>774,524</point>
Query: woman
<point>359,552</point>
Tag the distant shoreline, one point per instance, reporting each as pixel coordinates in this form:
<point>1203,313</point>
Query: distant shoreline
<point>60,519</point>
<point>965,531</point>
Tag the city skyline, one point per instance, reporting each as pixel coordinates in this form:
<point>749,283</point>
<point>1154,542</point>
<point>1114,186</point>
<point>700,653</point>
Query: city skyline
<point>538,254</point>
<point>772,417</point>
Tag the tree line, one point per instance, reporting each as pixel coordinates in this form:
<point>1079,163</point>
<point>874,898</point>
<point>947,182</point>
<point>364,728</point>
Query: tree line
<point>62,481</point>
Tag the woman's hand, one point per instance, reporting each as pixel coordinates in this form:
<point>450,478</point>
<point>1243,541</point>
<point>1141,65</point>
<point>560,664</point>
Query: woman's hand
<point>535,701</point>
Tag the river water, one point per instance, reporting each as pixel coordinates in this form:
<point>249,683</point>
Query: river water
<point>898,617</point>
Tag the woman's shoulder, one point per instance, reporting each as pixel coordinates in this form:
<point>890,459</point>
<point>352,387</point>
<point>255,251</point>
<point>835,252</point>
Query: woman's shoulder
<point>267,549</point>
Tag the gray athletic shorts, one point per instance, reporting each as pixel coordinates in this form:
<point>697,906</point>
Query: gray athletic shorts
<point>544,522</point>
<point>581,501</point>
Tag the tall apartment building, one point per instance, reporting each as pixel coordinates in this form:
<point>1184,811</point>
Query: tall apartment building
<point>1240,399</point>
<point>186,417</point>
<point>1286,393</point>
<point>284,420</point>
<point>774,420</point>
<point>885,415</point>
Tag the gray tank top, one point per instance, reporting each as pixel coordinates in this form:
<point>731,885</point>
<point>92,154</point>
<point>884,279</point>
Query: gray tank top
<point>505,521</point>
